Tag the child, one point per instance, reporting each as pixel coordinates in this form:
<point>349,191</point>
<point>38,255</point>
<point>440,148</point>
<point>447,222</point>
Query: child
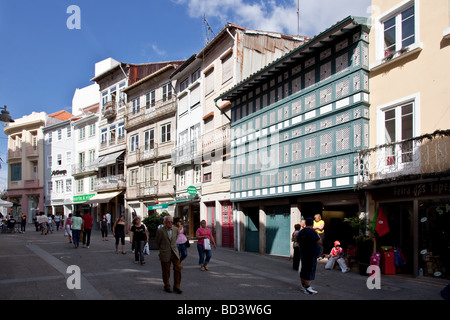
<point>337,254</point>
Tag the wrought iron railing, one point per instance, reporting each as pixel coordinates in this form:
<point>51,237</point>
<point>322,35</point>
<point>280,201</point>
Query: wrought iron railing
<point>424,156</point>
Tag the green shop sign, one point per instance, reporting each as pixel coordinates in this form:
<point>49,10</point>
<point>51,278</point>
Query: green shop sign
<point>192,190</point>
<point>82,198</point>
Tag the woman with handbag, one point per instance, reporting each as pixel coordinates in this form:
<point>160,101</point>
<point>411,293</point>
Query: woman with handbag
<point>181,239</point>
<point>205,239</point>
<point>138,237</point>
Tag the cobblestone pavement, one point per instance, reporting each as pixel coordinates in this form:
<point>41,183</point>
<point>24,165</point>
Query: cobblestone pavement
<point>35,267</point>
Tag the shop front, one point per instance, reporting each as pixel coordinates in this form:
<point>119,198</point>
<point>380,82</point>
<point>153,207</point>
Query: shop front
<point>418,224</point>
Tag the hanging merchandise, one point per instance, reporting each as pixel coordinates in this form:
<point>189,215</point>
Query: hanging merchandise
<point>399,258</point>
<point>380,224</point>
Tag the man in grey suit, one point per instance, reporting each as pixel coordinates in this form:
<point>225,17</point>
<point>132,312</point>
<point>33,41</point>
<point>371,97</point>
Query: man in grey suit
<point>166,238</point>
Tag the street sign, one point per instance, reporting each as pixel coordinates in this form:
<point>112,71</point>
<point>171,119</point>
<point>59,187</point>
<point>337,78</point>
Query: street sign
<point>192,190</point>
<point>158,206</point>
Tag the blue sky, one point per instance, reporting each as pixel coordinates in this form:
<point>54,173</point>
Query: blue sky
<point>43,61</point>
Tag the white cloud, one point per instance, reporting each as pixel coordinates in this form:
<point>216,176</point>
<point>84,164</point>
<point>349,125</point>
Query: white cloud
<point>277,15</point>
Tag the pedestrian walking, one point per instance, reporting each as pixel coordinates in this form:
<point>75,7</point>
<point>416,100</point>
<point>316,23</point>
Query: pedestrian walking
<point>88,221</point>
<point>50,222</point>
<point>104,228</point>
<point>68,227</point>
<point>296,258</point>
<point>166,239</point>
<point>43,223</point>
<point>308,240</point>
<point>205,239</point>
<point>57,221</point>
<point>181,239</point>
<point>77,226</point>
<point>138,237</point>
<point>23,223</point>
<point>108,218</point>
<point>119,233</point>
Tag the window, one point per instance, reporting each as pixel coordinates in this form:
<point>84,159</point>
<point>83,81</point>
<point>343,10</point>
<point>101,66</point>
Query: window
<point>149,175</point>
<point>104,136</point>
<point>112,134</point>
<point>69,132</point>
<point>35,170</point>
<point>133,177</point>
<point>122,94</point>
<point>397,32</point>
<point>92,130</point>
<point>59,134</point>
<point>59,159</point>
<point>197,174</point>
<point>91,155</point>
<point>207,177</point>
<point>136,106</point>
<point>82,133</point>
<point>182,178</point>
<point>49,162</point>
<point>80,186</point>
<point>166,171</point>
<point>59,186</point>
<point>165,132</point>
<point>104,98</point>
<point>49,137</point>
<point>167,92</point>
<point>153,98</point>
<point>49,187</point>
<point>184,84</point>
<point>149,140</point>
<point>134,145</point>
<point>227,67</point>
<point>81,159</point>
<point>195,75</point>
<point>69,157</point>
<point>68,185</point>
<point>195,96</point>
<point>121,130</point>
<point>398,125</point>
<point>209,81</point>
<point>92,181</point>
<point>34,142</point>
<point>16,172</point>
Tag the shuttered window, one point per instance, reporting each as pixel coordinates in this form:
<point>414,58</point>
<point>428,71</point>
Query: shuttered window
<point>227,68</point>
<point>209,81</point>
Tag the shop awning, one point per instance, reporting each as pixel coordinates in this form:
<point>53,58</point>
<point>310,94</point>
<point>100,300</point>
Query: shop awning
<point>6,204</point>
<point>103,197</point>
<point>109,159</point>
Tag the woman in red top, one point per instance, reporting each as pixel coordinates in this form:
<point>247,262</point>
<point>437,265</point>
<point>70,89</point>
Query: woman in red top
<point>203,233</point>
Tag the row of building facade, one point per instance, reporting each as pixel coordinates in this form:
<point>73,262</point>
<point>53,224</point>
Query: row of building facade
<point>259,129</point>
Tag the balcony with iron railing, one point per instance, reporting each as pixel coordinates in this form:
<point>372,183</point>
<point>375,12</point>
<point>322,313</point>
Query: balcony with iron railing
<point>426,156</point>
<point>187,152</point>
<point>142,190</point>
<point>150,113</point>
<point>217,139</point>
<point>84,168</point>
<point>15,154</point>
<point>114,182</point>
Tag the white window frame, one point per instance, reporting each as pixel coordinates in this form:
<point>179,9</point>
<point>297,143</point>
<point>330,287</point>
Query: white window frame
<point>379,32</point>
<point>382,165</point>
<point>166,171</point>
<point>134,143</point>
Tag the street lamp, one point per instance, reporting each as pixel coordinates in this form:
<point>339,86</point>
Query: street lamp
<point>5,116</point>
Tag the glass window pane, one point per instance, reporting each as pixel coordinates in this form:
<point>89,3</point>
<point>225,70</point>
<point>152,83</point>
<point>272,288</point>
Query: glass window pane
<point>389,36</point>
<point>408,27</point>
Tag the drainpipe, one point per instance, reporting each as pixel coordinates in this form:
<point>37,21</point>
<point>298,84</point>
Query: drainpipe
<point>215,103</point>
